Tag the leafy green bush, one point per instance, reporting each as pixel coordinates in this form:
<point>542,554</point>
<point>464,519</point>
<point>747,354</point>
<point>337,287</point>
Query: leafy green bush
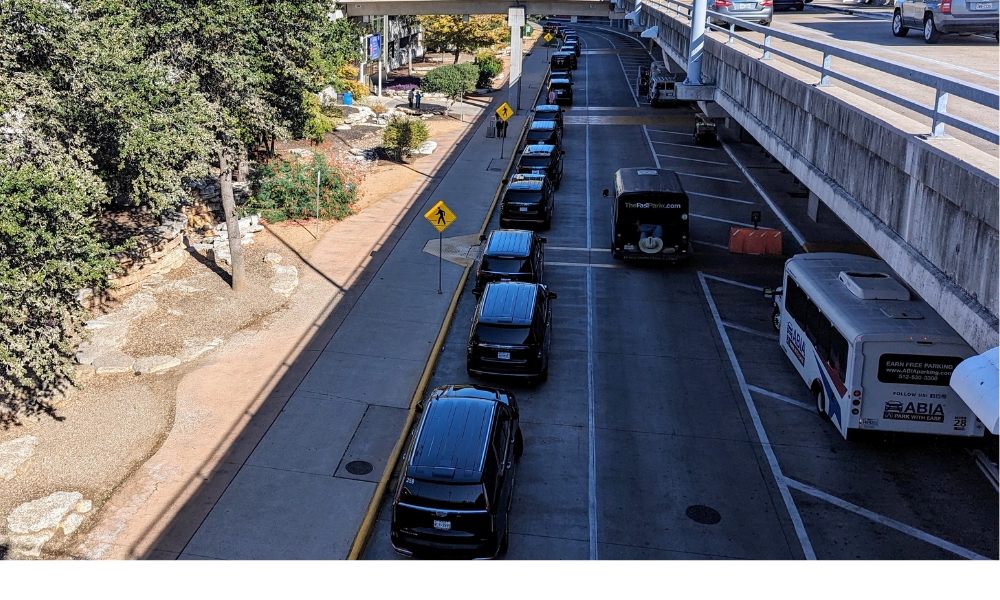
<point>317,123</point>
<point>286,189</point>
<point>49,250</point>
<point>402,135</point>
<point>489,67</point>
<point>451,80</point>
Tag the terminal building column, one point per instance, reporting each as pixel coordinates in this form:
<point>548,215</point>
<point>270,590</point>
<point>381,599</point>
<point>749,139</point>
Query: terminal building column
<point>515,18</point>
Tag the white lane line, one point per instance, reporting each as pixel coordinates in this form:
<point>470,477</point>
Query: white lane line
<point>577,249</point>
<point>688,146</point>
<point>788,225</point>
<point>635,95</point>
<point>708,177</point>
<point>894,524</point>
<point>651,150</point>
<point>671,132</point>
<point>737,223</point>
<point>751,331</point>
<point>719,198</point>
<point>591,424</point>
<point>772,460</point>
<point>710,244</point>
<point>588,265</point>
<point>785,399</point>
<point>698,160</point>
<point>755,288</point>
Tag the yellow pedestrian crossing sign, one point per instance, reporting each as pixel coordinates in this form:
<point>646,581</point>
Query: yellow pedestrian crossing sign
<point>440,216</point>
<point>505,112</point>
<point>547,37</point>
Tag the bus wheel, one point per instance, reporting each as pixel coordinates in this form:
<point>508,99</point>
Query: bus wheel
<point>821,404</point>
<point>776,319</point>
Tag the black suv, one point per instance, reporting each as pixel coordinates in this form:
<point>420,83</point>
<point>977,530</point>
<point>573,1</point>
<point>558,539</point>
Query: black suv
<point>543,132</point>
<point>542,158</point>
<point>563,60</point>
<point>563,89</point>
<point>548,112</point>
<point>561,74</point>
<point>527,202</point>
<point>454,494</point>
<point>510,255</point>
<point>511,331</point>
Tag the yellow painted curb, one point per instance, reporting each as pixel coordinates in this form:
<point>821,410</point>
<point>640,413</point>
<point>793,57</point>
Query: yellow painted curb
<point>368,523</point>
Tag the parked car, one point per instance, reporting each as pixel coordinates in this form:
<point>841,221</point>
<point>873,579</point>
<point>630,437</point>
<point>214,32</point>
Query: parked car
<point>561,74</point>
<point>548,112</point>
<point>542,158</point>
<point>662,90</point>
<point>761,11</point>
<point>543,132</point>
<point>454,494</point>
<point>563,60</point>
<point>789,5</point>
<point>563,89</point>
<point>573,47</point>
<point>511,331</point>
<point>527,201</point>
<point>510,255</point>
<point>939,17</point>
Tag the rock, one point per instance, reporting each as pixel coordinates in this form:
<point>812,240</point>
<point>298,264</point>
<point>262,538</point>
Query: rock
<point>84,506</point>
<point>255,220</point>
<point>327,96</point>
<point>357,151</point>
<point>44,513</point>
<point>300,152</point>
<point>286,279</point>
<point>174,219</point>
<point>155,364</point>
<point>254,228</point>
<point>195,348</point>
<point>342,127</point>
<point>114,361</point>
<point>14,453</point>
<point>83,295</point>
<point>272,258</point>
<point>86,352</point>
<point>71,522</point>
<point>426,148</point>
<point>28,544</point>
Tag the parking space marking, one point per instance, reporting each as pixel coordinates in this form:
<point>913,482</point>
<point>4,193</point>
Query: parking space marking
<point>689,146</point>
<point>710,244</point>
<point>772,460</point>
<point>671,132</point>
<point>892,523</point>
<point>574,264</point>
<point>577,249</point>
<point>755,288</point>
<point>751,331</point>
<point>645,130</point>
<point>698,160</point>
<point>785,399</point>
<point>708,177</point>
<point>737,223</point>
<point>720,198</point>
<point>788,225</point>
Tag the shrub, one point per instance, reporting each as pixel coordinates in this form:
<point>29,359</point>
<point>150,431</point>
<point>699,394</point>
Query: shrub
<point>355,87</point>
<point>402,87</point>
<point>378,108</point>
<point>334,112</point>
<point>286,189</point>
<point>402,135</point>
<point>489,67</point>
<point>451,80</point>
<point>317,124</point>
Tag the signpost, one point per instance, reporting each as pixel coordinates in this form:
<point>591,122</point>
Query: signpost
<point>440,217</point>
<point>548,46</point>
<point>503,113</point>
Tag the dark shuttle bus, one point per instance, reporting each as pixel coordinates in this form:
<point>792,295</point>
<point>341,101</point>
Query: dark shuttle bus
<point>650,218</point>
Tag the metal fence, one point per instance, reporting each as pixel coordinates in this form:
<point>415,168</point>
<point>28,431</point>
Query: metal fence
<point>943,86</point>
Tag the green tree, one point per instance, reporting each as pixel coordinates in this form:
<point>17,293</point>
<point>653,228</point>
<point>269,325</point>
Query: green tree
<point>489,67</point>
<point>451,80</point>
<point>402,135</point>
<point>452,32</point>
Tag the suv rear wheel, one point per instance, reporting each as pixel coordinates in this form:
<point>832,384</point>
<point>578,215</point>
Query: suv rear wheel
<point>898,29</point>
<point>931,33</point>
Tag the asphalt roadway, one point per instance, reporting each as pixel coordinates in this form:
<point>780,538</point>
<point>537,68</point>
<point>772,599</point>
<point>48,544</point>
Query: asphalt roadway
<point>672,426</point>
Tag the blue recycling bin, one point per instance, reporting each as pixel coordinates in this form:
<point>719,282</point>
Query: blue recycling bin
<point>348,98</point>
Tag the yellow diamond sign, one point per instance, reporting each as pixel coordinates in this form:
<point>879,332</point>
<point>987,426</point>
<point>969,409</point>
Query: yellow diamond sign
<point>505,112</point>
<point>440,216</point>
<point>547,37</point>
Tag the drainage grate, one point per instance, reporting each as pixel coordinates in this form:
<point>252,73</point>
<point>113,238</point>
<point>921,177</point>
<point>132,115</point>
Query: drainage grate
<point>360,467</point>
<point>706,515</point>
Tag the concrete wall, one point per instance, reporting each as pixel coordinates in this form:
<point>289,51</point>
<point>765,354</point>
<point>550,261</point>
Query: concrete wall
<point>932,217</point>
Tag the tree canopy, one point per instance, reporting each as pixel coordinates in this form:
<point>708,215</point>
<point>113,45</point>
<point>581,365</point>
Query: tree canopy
<point>451,32</point>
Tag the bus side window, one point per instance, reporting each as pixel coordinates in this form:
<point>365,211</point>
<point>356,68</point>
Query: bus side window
<point>838,354</point>
<point>818,330</point>
<point>795,302</point>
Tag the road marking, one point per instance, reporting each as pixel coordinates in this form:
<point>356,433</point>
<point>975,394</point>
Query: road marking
<point>751,331</point>
<point>689,146</point>
<point>700,160</point>
<point>578,249</point>
<point>709,177</point>
<point>894,524</point>
<point>574,264</point>
<point>719,197</point>
<point>710,244</point>
<point>786,399</point>
<point>791,229</point>
<point>645,130</point>
<point>755,288</point>
<point>737,223</point>
<point>670,132</point>
<point>772,460</point>
<point>591,425</point>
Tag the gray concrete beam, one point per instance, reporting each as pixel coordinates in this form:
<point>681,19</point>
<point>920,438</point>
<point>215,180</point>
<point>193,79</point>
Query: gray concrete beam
<point>580,8</point>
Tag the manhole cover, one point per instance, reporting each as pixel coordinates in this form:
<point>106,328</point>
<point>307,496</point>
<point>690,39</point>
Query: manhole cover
<point>698,513</point>
<point>360,467</point>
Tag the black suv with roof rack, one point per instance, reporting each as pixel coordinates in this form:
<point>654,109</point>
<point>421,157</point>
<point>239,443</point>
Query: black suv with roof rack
<point>511,331</point>
<point>548,112</point>
<point>510,255</point>
<point>563,89</point>
<point>542,159</point>
<point>563,60</point>
<point>527,201</point>
<point>543,132</point>
<point>454,494</point>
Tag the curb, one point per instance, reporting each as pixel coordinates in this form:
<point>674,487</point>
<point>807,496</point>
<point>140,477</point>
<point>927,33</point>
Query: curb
<point>368,522</point>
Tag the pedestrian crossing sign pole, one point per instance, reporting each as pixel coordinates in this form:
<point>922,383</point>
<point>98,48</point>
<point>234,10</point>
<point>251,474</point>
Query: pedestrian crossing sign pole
<point>440,217</point>
<point>503,113</point>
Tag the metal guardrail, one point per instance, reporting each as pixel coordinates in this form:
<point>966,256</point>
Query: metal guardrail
<point>943,86</point>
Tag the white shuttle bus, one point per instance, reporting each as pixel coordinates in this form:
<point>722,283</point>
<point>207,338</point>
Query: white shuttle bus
<point>875,356</point>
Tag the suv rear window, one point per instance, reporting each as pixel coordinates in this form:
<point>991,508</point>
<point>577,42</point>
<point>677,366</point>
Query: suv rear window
<point>540,135</point>
<point>532,196</point>
<point>502,334</point>
<point>433,494</point>
<point>506,265</point>
<point>535,161</point>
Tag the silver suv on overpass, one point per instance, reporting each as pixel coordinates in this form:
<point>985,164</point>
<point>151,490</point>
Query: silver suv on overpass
<point>937,17</point>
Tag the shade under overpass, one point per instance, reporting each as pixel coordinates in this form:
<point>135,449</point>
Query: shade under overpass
<point>977,381</point>
<point>579,8</point>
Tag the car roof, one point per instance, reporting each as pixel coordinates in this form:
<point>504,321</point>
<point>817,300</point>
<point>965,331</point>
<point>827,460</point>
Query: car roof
<point>515,243</point>
<point>539,149</point>
<point>561,53</point>
<point>508,303</point>
<point>647,179</point>
<point>548,108</point>
<point>525,185</point>
<point>560,81</point>
<point>452,439</point>
<point>543,125</point>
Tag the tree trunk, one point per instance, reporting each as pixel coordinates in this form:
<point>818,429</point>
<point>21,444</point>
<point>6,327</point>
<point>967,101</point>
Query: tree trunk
<point>232,222</point>
<point>242,171</point>
<point>457,52</point>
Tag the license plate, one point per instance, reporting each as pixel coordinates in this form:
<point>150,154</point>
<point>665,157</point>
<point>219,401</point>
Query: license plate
<point>442,525</point>
<point>523,209</point>
<point>747,6</point>
<point>984,5</point>
<point>503,355</point>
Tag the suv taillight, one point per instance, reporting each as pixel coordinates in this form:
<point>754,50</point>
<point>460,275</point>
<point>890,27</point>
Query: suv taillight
<point>767,3</point>
<point>723,3</point>
<point>946,6</point>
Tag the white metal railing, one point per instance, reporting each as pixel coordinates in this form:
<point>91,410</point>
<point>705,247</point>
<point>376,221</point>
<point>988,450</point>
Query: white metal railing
<point>943,86</point>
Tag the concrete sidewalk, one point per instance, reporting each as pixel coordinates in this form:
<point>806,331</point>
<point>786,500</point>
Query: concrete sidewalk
<point>287,465</point>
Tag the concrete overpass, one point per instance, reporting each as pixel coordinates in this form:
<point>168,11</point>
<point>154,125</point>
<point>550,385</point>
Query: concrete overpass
<point>580,8</point>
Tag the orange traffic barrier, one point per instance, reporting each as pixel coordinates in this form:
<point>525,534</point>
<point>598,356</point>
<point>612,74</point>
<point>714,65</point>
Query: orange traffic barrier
<point>743,240</point>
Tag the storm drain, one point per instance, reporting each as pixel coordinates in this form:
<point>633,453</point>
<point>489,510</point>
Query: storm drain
<point>361,467</point>
<point>706,515</point>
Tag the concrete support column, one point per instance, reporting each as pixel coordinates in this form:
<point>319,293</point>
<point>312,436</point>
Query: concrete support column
<point>813,207</point>
<point>697,44</point>
<point>515,17</point>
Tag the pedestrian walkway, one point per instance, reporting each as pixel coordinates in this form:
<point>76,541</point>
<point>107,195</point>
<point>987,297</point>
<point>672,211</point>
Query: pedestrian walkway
<point>320,397</point>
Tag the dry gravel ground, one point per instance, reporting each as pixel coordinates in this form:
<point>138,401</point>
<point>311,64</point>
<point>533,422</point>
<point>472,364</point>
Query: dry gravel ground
<point>56,474</point>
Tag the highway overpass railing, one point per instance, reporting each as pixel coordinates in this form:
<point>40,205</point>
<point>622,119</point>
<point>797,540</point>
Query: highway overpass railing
<point>943,86</point>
